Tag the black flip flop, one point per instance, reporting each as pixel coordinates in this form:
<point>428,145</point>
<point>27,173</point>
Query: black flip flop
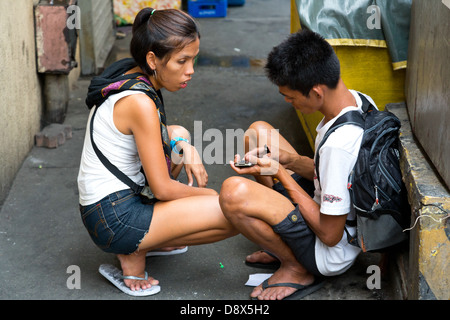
<point>302,291</point>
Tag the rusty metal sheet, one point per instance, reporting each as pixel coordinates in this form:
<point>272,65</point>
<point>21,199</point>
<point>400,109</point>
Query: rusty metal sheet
<point>54,46</point>
<point>428,81</point>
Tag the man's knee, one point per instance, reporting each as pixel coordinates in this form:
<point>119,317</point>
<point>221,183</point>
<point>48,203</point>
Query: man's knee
<point>257,134</point>
<point>260,125</point>
<point>233,193</point>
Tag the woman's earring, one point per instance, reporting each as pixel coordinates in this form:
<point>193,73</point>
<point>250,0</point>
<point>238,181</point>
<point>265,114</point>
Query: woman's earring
<point>154,73</point>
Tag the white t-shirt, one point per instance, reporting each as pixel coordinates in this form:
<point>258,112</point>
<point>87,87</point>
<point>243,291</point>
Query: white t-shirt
<point>95,181</point>
<point>337,157</point>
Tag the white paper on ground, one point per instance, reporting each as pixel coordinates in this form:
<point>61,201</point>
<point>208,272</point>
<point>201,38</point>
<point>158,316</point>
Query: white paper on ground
<point>256,279</point>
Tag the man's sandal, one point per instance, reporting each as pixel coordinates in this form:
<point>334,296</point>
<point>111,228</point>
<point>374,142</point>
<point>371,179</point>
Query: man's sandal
<point>302,291</point>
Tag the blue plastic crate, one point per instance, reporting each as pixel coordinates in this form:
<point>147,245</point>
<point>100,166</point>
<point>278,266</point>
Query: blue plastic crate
<point>236,3</point>
<point>207,8</point>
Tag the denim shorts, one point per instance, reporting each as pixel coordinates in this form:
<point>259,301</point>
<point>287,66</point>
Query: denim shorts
<point>118,223</point>
<point>295,232</point>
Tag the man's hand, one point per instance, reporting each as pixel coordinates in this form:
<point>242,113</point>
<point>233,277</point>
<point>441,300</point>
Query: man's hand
<point>264,166</point>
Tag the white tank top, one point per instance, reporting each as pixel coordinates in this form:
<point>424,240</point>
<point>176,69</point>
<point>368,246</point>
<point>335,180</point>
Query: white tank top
<point>95,181</point>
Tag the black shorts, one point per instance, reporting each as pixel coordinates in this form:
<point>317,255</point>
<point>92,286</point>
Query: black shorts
<point>295,232</point>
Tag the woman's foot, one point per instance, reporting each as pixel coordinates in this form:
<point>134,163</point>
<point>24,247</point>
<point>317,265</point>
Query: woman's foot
<point>134,265</point>
<point>166,251</point>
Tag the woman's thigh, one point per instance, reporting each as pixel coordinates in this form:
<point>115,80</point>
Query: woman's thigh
<point>187,221</point>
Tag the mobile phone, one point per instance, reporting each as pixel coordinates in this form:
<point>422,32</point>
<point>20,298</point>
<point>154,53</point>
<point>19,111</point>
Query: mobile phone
<point>243,164</point>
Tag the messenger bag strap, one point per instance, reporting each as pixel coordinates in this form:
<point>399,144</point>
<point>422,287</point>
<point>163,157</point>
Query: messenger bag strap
<point>137,189</point>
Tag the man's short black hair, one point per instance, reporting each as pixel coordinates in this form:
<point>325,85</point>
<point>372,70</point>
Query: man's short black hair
<point>305,59</point>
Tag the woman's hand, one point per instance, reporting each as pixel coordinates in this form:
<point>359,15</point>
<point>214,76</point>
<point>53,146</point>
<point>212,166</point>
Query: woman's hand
<point>187,156</point>
<point>193,165</point>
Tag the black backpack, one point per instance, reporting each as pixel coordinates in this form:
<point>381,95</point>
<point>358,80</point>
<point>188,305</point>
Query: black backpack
<point>375,184</point>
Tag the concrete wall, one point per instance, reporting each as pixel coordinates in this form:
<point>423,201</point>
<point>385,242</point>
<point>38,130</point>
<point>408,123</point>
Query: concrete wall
<point>427,101</point>
<point>428,80</point>
<point>424,269</point>
<point>22,105</point>
<point>20,88</point>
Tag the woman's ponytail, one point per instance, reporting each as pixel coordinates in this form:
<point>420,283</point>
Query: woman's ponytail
<point>142,18</point>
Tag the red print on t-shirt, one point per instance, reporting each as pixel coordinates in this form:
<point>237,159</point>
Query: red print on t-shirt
<point>330,198</point>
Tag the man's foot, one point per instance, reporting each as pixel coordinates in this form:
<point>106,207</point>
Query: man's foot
<point>283,275</point>
<point>134,265</point>
<point>261,257</point>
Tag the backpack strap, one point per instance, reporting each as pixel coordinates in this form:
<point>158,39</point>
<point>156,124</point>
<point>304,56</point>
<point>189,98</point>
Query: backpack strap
<point>351,117</point>
<point>366,105</point>
<point>137,189</point>
<point>140,83</point>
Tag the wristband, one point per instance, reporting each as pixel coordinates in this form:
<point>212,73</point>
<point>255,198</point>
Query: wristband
<point>173,143</point>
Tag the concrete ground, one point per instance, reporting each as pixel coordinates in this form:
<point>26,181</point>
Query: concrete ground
<point>41,233</point>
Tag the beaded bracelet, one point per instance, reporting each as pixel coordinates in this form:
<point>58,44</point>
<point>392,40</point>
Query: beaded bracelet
<point>173,143</point>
